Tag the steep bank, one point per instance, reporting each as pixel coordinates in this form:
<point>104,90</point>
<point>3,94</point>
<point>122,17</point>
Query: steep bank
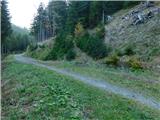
<point>141,36</point>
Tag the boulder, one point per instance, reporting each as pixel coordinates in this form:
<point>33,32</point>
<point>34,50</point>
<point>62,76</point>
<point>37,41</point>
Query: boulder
<point>138,19</point>
<point>150,14</point>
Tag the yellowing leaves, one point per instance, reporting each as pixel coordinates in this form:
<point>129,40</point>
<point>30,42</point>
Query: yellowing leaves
<point>79,30</point>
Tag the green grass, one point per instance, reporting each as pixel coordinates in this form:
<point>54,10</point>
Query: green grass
<point>145,82</point>
<point>35,93</point>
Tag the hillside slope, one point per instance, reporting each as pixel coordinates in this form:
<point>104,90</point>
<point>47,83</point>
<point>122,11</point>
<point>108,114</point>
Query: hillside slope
<point>17,29</point>
<point>131,33</point>
<point>143,37</point>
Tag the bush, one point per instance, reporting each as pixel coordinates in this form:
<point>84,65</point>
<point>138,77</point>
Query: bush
<point>70,54</point>
<point>100,31</point>
<point>79,30</point>
<point>128,4</point>
<point>63,44</point>
<point>134,63</point>
<point>39,52</point>
<point>41,46</point>
<point>32,47</point>
<point>128,50</point>
<point>112,60</point>
<point>92,45</point>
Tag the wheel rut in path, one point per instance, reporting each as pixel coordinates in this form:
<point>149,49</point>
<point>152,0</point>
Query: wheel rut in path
<point>150,102</point>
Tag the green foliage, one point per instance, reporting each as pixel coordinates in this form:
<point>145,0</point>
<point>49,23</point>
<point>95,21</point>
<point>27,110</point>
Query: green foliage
<point>32,47</point>
<point>128,50</point>
<point>43,94</point>
<point>38,51</point>
<point>17,29</point>
<point>100,31</point>
<point>154,51</point>
<point>125,61</point>
<point>71,54</point>
<point>112,60</point>
<point>49,97</point>
<point>95,13</point>
<point>77,12</point>
<point>62,46</point>
<point>134,63</point>
<point>79,30</point>
<point>5,21</point>
<point>92,45</point>
<point>61,16</point>
<point>6,29</point>
<point>50,20</point>
<point>128,4</point>
<point>17,42</point>
<point>57,13</point>
<point>57,99</point>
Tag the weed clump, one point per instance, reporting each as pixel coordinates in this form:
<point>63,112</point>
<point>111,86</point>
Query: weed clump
<point>112,60</point>
<point>92,45</point>
<point>134,63</point>
<point>125,61</point>
<point>38,51</point>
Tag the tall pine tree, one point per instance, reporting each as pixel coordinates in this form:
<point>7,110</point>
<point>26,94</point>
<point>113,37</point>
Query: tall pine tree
<point>40,24</point>
<point>5,21</point>
<point>5,26</point>
<point>57,11</point>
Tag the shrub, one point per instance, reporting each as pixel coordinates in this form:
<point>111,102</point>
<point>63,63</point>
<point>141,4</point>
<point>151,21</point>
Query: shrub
<point>128,4</point>
<point>32,47</point>
<point>134,63</point>
<point>100,31</point>
<point>128,50</point>
<point>71,54</point>
<point>79,30</point>
<point>92,45</point>
<point>43,53</point>
<point>112,60</point>
<point>119,52</point>
<point>63,44</point>
<point>41,46</point>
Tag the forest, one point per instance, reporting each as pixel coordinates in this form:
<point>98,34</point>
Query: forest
<point>70,22</point>
<point>13,38</point>
<point>61,16</point>
<point>82,60</point>
<point>58,17</point>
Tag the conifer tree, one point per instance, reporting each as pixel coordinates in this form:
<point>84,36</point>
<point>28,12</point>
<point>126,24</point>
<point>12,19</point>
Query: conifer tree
<point>5,21</point>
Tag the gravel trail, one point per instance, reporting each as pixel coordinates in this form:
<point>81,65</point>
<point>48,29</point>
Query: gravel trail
<point>150,102</point>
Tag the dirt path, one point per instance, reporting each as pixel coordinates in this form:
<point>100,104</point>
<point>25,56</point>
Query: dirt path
<point>95,82</point>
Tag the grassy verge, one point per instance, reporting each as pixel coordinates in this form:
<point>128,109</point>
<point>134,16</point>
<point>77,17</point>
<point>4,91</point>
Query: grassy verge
<point>33,93</point>
<point>145,82</point>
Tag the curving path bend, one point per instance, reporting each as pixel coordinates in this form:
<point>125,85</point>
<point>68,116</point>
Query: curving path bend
<point>150,102</point>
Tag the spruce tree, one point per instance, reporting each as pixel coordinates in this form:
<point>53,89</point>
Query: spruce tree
<point>5,21</point>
